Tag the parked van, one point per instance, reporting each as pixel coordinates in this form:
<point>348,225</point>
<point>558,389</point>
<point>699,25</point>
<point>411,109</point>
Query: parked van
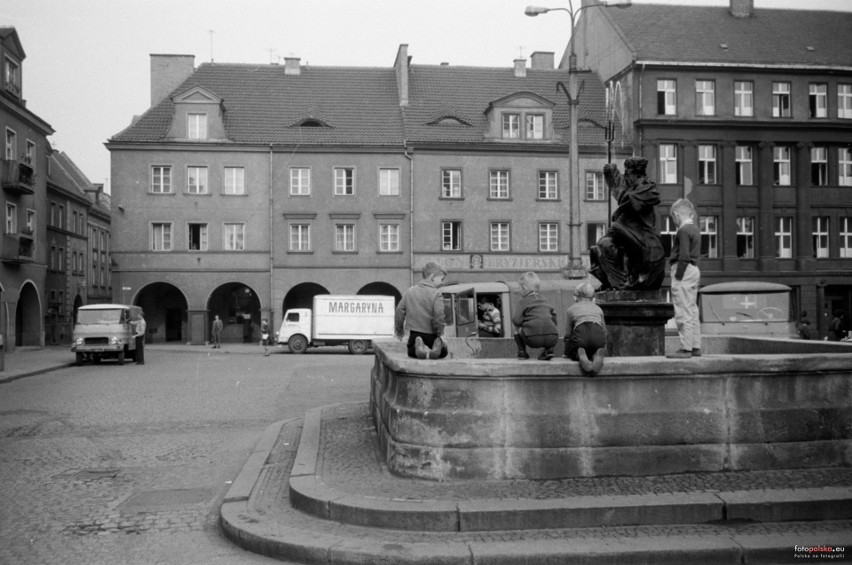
<point>461,299</point>
<point>351,320</point>
<point>747,308</point>
<point>105,331</point>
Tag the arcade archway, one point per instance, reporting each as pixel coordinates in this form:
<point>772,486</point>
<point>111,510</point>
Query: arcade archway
<point>165,309</point>
<point>383,289</point>
<point>302,296</point>
<point>28,317</point>
<point>238,306</point>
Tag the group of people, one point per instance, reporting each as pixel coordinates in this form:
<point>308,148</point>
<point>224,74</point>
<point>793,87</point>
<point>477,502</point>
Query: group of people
<point>219,326</point>
<point>421,309</point>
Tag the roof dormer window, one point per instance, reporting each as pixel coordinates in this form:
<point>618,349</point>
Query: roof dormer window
<point>12,76</point>
<point>519,117</point>
<point>196,126</point>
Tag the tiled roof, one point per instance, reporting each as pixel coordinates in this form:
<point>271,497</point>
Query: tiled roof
<point>360,104</point>
<point>64,174</point>
<point>465,92</point>
<point>682,33</point>
<point>263,104</point>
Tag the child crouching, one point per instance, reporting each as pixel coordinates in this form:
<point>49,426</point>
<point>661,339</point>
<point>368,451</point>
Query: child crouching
<point>535,320</point>
<point>585,330</point>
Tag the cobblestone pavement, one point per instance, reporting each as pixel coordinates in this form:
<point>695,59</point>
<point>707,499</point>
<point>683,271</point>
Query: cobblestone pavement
<point>128,464</point>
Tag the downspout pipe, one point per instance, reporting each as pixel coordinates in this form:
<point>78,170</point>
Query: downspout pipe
<point>271,242</point>
<point>410,158</point>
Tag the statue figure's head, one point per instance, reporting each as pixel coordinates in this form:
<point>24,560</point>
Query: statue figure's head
<point>635,166</point>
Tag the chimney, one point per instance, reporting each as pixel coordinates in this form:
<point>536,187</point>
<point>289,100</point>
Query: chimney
<point>520,68</point>
<point>742,8</point>
<point>400,67</point>
<point>542,60</point>
<point>291,66</point>
<point>167,73</point>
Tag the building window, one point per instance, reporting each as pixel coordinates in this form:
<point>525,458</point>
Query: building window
<point>389,237</point>
<point>511,126</point>
<point>707,164</point>
<point>818,101</point>
<point>196,126</point>
<point>499,236</point>
<point>709,227</point>
<point>594,232</point>
<point>300,237</point>
<point>11,218</point>
<point>844,101</point>
<point>705,97</point>
<point>196,180</point>
<point>548,237</point>
<point>388,182</point>
<point>845,243</point>
<point>668,164</point>
<point>12,76</point>
<point>300,182</point>
<point>11,145</point>
<point>548,185</point>
<point>161,180</point>
<point>844,166</point>
<point>498,183</point>
<point>819,166</point>
<point>344,181</point>
<point>535,126</point>
<point>344,237</point>
<point>451,183</point>
<point>666,97</point>
<point>784,237</point>
<point>60,217</point>
<point>31,221</point>
<point>235,180</point>
<point>780,99</point>
<point>234,237</point>
<point>820,237</point>
<point>161,236</point>
<point>196,237</point>
<point>781,165</point>
<point>595,189</point>
<point>668,231</point>
<point>745,166</point>
<point>30,155</point>
<point>745,237</point>
<point>451,236</point>
<point>744,98</point>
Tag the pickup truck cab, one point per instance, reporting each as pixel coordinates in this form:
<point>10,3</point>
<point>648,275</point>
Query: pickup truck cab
<point>747,308</point>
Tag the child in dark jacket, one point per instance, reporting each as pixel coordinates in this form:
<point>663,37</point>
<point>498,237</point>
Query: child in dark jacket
<point>535,320</point>
<point>421,310</point>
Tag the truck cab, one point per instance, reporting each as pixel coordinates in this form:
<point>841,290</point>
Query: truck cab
<point>461,299</point>
<point>105,331</point>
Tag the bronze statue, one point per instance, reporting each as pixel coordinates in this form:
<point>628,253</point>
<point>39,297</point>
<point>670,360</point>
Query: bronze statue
<point>630,256</point>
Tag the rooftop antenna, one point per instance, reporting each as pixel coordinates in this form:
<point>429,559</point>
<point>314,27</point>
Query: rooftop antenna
<point>211,44</point>
<point>521,52</point>
<point>271,51</point>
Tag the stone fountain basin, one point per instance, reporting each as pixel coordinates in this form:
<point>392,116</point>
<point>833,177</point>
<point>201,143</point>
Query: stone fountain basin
<point>481,414</point>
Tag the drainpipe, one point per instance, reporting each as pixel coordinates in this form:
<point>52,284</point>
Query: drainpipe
<point>410,212</point>
<point>271,245</point>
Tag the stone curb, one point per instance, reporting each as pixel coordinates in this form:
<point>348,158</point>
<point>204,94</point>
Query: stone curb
<point>345,544</point>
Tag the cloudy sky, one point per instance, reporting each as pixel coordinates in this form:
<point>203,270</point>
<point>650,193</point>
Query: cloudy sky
<point>87,68</point>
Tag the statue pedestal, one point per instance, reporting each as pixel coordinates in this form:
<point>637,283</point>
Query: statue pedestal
<point>635,322</point>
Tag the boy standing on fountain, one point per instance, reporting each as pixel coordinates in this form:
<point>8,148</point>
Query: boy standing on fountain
<point>422,311</point>
<point>686,249</point>
<point>535,320</point>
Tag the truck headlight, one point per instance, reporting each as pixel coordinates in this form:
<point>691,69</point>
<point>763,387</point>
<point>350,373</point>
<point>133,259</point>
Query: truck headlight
<point>78,341</point>
<point>114,341</point>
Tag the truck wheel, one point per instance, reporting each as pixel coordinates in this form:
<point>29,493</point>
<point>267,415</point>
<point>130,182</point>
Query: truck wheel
<point>297,344</point>
<point>358,346</point>
<point>121,357</point>
<point>79,359</point>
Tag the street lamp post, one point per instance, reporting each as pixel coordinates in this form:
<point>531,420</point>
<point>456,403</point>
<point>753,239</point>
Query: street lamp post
<point>575,263</point>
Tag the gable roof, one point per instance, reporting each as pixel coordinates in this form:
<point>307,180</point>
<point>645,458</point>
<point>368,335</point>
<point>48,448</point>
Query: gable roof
<point>9,38</point>
<point>262,104</point>
<point>769,37</point>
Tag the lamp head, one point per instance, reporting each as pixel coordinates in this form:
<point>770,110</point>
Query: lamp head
<point>533,11</point>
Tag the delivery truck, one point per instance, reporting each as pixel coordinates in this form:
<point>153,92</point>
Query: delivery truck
<point>354,321</point>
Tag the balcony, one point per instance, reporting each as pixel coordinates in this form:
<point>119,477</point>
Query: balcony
<point>17,177</point>
<point>17,249</point>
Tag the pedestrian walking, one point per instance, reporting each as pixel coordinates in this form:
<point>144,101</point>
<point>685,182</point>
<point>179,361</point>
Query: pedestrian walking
<point>141,327</point>
<point>264,336</point>
<point>218,326</point>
